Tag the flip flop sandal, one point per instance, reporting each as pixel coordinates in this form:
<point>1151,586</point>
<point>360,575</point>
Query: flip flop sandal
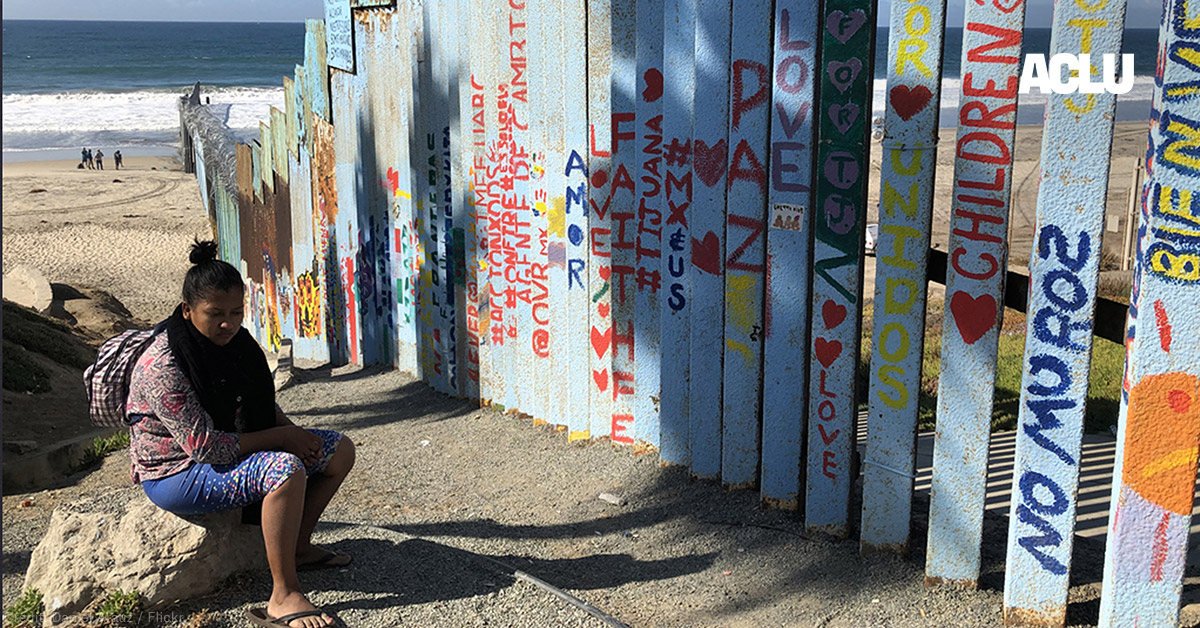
<point>328,561</point>
<point>260,617</point>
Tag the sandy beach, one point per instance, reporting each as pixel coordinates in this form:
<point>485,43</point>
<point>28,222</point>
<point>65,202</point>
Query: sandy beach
<point>122,231</point>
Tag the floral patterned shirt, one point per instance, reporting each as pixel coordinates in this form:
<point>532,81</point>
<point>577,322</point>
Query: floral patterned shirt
<point>174,430</point>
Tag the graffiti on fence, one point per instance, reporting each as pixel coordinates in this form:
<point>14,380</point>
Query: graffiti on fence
<point>840,198</point>
<point>1155,471</point>
<point>905,215</point>
<point>679,86</point>
<point>974,287</point>
<point>1063,270</point>
<point>787,277</point>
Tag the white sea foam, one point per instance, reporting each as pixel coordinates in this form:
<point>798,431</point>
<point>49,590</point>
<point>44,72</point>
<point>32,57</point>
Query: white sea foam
<point>81,114</point>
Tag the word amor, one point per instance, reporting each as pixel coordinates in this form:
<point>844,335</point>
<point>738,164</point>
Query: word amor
<point>1048,76</point>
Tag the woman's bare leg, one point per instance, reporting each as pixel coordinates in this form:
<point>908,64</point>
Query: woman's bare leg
<point>281,512</point>
<point>321,489</point>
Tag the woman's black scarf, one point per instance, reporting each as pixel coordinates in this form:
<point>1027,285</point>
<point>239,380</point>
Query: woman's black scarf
<point>227,379</point>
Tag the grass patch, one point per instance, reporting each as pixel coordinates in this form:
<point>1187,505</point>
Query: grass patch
<point>1104,383</point>
<point>26,612</point>
<point>120,605</point>
<point>102,446</point>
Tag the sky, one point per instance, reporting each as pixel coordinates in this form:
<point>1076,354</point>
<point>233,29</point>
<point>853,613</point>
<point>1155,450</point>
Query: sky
<point>1141,13</point>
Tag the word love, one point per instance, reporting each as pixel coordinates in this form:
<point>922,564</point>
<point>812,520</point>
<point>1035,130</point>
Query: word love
<point>1049,76</point>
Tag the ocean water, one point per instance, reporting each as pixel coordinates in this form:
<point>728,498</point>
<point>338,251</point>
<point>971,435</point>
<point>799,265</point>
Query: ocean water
<point>115,84</point>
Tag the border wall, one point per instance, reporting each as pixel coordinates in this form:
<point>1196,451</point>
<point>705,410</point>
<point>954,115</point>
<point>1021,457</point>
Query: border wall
<point>643,223</point>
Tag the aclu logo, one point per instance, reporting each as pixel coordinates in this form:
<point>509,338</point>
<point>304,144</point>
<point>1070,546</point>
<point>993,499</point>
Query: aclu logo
<point>1066,73</point>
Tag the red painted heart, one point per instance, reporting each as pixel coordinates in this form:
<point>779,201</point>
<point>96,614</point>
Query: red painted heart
<point>709,162</point>
<point>603,309</point>
<point>908,102</point>
<point>827,351</point>
<point>654,85</point>
<point>601,379</point>
<point>601,341</point>
<point>605,272</point>
<point>832,313</point>
<point>974,316</point>
<point>706,253</point>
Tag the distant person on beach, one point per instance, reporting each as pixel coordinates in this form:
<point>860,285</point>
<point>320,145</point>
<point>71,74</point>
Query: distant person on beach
<point>83,158</point>
<point>117,159</point>
<point>99,159</point>
<point>207,436</point>
<point>91,163</point>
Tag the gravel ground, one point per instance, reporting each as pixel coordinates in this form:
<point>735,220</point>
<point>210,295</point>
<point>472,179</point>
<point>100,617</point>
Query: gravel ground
<point>441,486</point>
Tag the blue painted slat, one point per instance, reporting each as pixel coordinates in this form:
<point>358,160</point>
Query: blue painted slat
<point>623,214</point>
<point>745,249</point>
<point>576,327</point>
<point>1159,427</point>
<point>679,87</point>
<point>709,154</point>
<point>547,229</point>
<point>1064,267</point>
<point>473,142</point>
<point>600,228</point>
<point>648,222</point>
<point>905,216</point>
<point>789,252</point>
<point>974,294</point>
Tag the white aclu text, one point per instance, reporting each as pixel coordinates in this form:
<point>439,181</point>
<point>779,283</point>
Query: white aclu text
<point>1066,73</point>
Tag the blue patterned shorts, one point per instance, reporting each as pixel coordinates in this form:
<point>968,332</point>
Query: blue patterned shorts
<point>204,488</point>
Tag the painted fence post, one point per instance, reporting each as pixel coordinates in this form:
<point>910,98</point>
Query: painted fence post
<point>622,200</point>
<point>1159,429</point>
<point>905,214</point>
<point>745,251</point>
<point>576,315</point>
<point>346,95</point>
<point>547,264</point>
<point>483,29</point>
<point>647,276</point>
<point>383,128</point>
<point>679,88</point>
<point>324,215</point>
<point>456,192</point>
<point>446,95</point>
<point>427,113</point>
<point>847,53</point>
<point>709,154</point>
<point>600,233</point>
<point>789,253</point>
<point>470,149</point>
<point>500,316</point>
<point>974,289</point>
<point>1058,341</point>
<point>517,201</point>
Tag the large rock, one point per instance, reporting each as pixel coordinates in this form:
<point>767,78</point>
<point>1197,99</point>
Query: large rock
<point>123,541</point>
<point>27,286</point>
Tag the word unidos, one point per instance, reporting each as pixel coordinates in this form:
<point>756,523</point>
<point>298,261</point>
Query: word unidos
<point>1047,76</point>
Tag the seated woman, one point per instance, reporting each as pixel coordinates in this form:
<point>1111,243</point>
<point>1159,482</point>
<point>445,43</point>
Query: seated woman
<point>208,436</point>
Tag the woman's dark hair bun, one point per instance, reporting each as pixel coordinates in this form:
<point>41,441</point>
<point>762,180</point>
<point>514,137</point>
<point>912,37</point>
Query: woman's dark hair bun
<point>203,251</point>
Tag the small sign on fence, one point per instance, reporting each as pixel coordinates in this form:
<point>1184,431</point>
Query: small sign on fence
<point>339,35</point>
